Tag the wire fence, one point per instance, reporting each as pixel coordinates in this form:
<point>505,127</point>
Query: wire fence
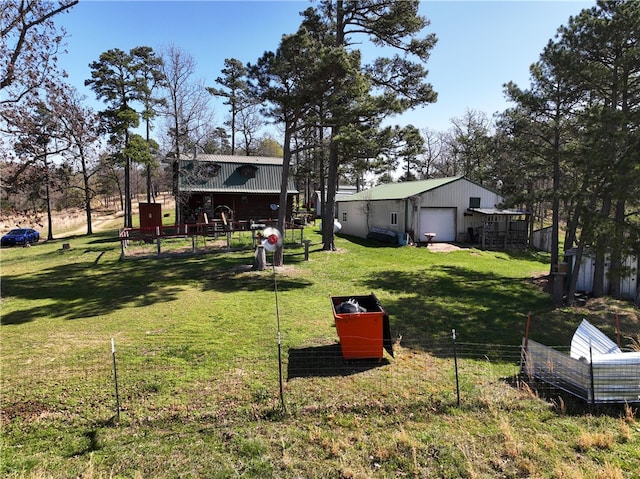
<point>181,378</point>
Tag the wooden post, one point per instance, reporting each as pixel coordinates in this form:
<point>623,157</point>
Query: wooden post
<point>506,231</point>
<point>158,239</point>
<point>260,258</point>
<point>306,249</point>
<point>121,233</point>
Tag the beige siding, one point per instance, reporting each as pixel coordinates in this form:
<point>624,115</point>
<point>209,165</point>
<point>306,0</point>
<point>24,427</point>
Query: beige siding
<point>361,216</point>
<point>355,222</point>
<point>457,194</point>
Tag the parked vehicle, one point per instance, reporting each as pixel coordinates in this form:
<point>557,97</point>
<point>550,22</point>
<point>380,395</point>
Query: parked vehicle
<point>20,236</point>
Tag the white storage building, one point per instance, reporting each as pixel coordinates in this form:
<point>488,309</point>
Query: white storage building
<point>449,207</point>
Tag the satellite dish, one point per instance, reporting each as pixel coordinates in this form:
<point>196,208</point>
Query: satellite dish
<point>271,239</point>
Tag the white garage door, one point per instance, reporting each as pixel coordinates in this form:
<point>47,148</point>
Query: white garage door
<point>441,221</point>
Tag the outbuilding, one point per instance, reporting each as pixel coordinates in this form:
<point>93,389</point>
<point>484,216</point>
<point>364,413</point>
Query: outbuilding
<point>316,200</point>
<point>452,209</point>
<point>242,188</point>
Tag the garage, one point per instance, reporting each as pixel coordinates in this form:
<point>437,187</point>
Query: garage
<point>447,207</point>
<point>441,221</point>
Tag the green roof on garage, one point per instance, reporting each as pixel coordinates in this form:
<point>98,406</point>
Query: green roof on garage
<point>399,191</point>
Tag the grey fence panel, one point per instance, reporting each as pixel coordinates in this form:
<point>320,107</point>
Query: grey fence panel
<point>616,378</point>
<point>612,378</point>
<point>558,369</point>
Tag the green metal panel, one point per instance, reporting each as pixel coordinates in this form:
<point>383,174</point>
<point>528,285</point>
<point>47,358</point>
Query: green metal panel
<point>397,191</point>
<point>225,176</point>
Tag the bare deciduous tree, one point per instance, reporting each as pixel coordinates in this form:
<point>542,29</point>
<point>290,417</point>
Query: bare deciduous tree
<point>187,108</point>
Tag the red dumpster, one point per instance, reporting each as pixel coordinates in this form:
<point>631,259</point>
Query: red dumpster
<point>362,325</point>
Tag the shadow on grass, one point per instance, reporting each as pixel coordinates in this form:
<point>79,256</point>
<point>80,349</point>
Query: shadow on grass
<point>367,242</point>
<point>84,287</point>
<point>483,307</point>
<point>326,361</point>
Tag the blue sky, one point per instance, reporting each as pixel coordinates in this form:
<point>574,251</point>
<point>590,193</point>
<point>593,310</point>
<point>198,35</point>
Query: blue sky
<point>481,44</point>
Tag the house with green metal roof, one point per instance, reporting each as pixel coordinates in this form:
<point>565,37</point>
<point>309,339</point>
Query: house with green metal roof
<point>243,188</point>
<point>453,209</point>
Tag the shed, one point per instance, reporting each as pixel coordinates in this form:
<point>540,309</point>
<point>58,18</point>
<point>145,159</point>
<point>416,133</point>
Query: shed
<point>443,206</point>
<point>342,192</point>
<point>246,187</point>
<point>495,228</point>
<point>629,282</point>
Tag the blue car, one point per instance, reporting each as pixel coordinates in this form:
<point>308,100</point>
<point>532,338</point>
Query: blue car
<point>20,236</point>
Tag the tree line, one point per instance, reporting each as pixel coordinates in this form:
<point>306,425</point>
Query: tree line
<point>567,149</point>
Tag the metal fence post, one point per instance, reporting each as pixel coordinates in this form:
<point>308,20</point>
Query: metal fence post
<point>115,377</point>
<point>455,362</point>
<point>593,384</point>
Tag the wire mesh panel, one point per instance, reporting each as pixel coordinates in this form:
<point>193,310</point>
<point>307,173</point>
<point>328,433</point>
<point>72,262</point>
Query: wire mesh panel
<point>600,378</point>
<point>558,369</point>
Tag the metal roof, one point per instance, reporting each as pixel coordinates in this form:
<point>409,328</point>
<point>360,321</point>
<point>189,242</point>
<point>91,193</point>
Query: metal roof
<point>341,192</point>
<point>249,160</point>
<point>399,191</point>
<point>589,340</point>
<point>223,174</point>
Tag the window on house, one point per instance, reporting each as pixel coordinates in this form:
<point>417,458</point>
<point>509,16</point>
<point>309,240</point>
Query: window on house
<point>212,170</point>
<point>344,216</point>
<point>394,218</point>
<point>248,171</point>
<point>474,202</point>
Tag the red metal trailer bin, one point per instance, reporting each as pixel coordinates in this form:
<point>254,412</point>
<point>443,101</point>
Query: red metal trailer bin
<point>362,325</point>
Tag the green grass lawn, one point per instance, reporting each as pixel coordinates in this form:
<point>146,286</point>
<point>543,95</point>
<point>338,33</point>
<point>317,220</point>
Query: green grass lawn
<point>197,360</point>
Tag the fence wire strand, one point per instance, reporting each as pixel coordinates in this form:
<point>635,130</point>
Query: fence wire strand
<point>182,378</point>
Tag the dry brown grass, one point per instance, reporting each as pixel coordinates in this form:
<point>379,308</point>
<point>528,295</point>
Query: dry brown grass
<point>630,414</point>
<point>567,471</point>
<point>609,471</point>
<point>512,447</point>
<point>71,221</point>
<point>595,440</point>
<point>63,221</point>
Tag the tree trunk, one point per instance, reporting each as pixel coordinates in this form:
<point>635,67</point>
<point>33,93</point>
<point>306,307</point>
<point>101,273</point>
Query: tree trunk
<point>328,211</point>
<point>87,192</point>
<point>148,183</point>
<point>127,194</point>
<point>557,286</point>
<point>601,244</point>
<point>571,292</point>
<point>48,199</point>
<point>617,259</point>
<point>278,257</point>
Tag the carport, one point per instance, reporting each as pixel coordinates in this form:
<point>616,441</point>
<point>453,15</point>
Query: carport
<point>495,228</point>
